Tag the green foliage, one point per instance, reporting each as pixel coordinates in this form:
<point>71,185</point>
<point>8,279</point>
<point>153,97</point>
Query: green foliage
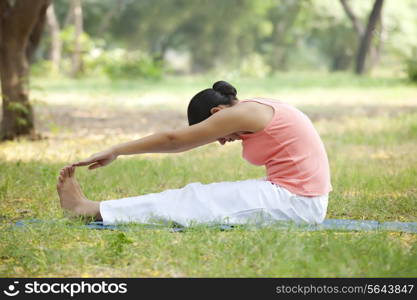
<point>21,122</point>
<point>411,65</point>
<point>97,59</point>
<point>23,113</point>
<point>18,108</point>
<point>42,68</point>
<point>120,64</point>
<point>67,38</point>
<point>86,46</point>
<point>236,36</point>
<point>254,66</point>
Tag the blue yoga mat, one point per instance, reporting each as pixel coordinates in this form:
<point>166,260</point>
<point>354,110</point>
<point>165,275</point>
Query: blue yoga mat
<point>329,224</point>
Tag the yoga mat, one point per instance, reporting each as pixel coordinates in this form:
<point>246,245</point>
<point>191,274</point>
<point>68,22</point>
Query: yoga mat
<point>329,224</point>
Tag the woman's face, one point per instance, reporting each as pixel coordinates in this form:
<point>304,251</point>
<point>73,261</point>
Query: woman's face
<point>229,138</point>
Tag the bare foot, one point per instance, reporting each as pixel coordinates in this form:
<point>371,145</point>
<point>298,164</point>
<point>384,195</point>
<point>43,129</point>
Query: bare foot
<point>72,198</point>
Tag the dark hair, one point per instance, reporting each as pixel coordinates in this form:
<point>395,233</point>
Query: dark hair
<point>201,104</point>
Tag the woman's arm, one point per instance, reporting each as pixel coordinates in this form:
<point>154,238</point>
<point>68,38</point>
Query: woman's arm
<point>224,122</point>
<point>161,142</point>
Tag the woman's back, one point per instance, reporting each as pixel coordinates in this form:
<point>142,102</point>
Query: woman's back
<point>291,149</point>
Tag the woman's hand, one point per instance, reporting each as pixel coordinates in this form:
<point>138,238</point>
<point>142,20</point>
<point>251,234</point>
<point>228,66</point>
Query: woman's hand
<point>97,160</point>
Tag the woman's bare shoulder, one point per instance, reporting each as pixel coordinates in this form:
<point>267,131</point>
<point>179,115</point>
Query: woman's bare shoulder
<point>261,110</point>
<point>258,114</point>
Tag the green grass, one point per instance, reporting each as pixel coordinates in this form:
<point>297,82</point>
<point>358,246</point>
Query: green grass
<point>59,250</point>
<point>374,176</point>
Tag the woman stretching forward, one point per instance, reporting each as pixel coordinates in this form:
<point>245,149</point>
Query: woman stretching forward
<point>273,134</point>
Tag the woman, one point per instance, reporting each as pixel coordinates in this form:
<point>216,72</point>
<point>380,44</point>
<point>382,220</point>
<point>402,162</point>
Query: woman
<point>273,134</point>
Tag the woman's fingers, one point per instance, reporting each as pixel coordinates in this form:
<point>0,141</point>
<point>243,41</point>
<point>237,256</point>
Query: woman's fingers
<point>82,163</point>
<point>95,161</point>
<point>94,166</point>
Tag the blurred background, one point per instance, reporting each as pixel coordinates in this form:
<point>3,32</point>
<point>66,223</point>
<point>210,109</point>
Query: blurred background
<point>60,56</point>
<point>102,69</point>
<point>257,38</point>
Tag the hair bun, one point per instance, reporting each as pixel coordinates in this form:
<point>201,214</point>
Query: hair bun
<point>225,88</point>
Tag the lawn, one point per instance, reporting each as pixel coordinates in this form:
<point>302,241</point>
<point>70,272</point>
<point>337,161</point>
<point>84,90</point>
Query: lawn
<point>368,125</point>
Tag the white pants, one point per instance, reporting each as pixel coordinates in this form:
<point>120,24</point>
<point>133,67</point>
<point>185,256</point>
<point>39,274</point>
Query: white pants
<point>240,202</point>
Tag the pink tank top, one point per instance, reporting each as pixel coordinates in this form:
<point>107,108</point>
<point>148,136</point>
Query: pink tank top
<point>291,150</point>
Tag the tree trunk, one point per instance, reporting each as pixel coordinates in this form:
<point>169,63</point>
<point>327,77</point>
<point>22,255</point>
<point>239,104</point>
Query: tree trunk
<point>366,40</point>
<point>56,44</point>
<point>21,25</point>
<point>375,52</point>
<point>70,15</point>
<point>365,36</point>
<point>77,65</point>
<point>355,22</point>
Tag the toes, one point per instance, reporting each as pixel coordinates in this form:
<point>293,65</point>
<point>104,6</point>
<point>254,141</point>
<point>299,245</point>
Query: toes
<point>67,171</point>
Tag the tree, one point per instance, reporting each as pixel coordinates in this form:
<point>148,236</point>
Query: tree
<point>77,14</point>
<point>56,44</point>
<point>365,33</point>
<point>213,33</point>
<point>21,26</point>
